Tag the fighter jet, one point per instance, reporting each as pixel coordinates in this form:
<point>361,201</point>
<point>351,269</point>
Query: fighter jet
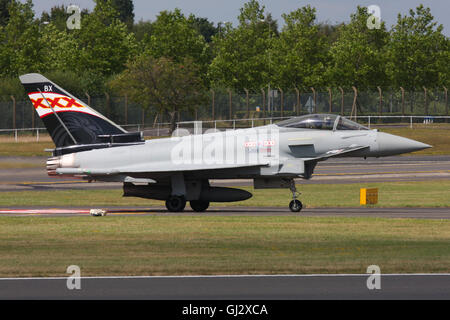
<point>179,168</point>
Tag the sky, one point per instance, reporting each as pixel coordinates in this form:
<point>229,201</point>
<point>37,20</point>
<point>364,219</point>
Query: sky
<point>332,11</point>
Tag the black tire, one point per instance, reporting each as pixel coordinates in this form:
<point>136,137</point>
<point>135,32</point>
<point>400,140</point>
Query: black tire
<point>176,203</point>
<point>295,205</point>
<point>198,205</point>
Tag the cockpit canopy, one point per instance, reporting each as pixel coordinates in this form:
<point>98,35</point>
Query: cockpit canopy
<point>321,122</point>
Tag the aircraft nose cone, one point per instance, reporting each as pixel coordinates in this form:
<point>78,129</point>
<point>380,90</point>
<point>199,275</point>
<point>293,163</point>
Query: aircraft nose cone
<point>389,144</point>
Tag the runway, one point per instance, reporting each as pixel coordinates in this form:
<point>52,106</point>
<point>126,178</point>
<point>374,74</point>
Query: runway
<point>259,288</point>
<point>339,170</point>
<point>410,213</point>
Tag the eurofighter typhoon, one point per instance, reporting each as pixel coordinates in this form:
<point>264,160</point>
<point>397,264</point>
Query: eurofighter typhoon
<point>178,169</point>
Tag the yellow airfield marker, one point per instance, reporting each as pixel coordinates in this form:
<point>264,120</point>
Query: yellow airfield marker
<point>368,196</point>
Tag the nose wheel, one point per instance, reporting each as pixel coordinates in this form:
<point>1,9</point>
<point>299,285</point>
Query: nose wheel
<point>295,205</point>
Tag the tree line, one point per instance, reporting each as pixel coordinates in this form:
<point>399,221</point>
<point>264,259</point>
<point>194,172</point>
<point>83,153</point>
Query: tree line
<point>173,61</point>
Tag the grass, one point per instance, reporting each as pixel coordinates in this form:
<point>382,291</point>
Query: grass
<point>25,149</point>
<point>391,194</point>
<point>19,165</point>
<point>158,245</point>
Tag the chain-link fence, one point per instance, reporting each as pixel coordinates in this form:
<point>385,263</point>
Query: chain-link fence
<point>225,104</point>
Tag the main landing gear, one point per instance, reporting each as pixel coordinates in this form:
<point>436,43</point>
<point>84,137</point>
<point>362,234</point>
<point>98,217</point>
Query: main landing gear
<point>178,203</point>
<point>199,205</point>
<point>295,205</point>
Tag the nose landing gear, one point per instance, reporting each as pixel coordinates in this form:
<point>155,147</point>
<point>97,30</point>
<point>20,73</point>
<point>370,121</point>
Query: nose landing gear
<point>295,205</point>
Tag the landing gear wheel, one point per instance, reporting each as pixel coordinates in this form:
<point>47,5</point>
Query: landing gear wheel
<point>176,203</point>
<point>295,205</point>
<point>198,205</point>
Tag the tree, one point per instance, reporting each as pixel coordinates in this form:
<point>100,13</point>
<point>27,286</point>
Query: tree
<point>4,12</point>
<point>174,37</point>
<point>125,8</point>
<point>444,69</point>
<point>11,86</point>
<point>142,29</point>
<point>57,16</point>
<point>418,52</point>
<point>166,85</point>
<point>203,26</point>
<point>104,42</point>
<point>300,53</point>
<point>20,45</point>
<point>358,56</point>
<point>60,51</point>
<point>242,56</point>
<point>329,31</point>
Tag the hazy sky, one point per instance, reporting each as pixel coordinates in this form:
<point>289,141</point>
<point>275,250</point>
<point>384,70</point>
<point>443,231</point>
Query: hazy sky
<point>228,10</point>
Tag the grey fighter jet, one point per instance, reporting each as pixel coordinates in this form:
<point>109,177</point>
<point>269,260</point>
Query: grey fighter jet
<point>178,169</point>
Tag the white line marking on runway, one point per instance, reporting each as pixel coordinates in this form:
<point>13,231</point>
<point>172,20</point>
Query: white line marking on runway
<point>237,276</point>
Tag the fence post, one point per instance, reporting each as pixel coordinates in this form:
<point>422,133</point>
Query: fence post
<point>263,104</point>
<point>446,100</point>
<point>247,114</point>
<point>298,101</point>
<point>156,119</point>
<point>14,112</point>
<point>33,111</point>
<point>426,99</point>
<point>230,104</point>
<point>330,94</point>
<point>213,104</point>
<point>126,109</point>
<point>403,100</point>
<point>282,101</point>
<point>107,105</point>
<point>380,107</point>
<point>342,100</point>
<point>355,96</point>
<point>314,99</point>
<point>88,97</point>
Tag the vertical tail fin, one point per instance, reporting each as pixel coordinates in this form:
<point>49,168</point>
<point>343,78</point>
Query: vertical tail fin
<point>68,120</point>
